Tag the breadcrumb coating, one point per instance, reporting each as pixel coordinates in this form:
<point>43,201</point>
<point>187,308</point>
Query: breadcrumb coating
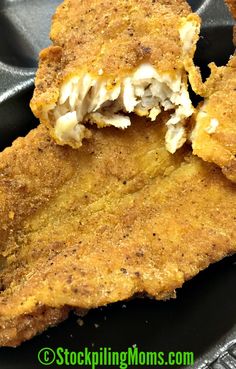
<point>214,135</point>
<point>119,217</point>
<point>92,72</point>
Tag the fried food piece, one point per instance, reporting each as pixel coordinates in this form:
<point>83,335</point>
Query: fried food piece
<point>111,58</point>
<point>214,136</point>
<point>232,6</point>
<point>119,217</point>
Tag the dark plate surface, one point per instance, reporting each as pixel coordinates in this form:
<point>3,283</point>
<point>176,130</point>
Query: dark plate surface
<point>203,317</point>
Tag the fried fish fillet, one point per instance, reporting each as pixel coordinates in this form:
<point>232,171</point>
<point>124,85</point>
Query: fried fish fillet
<point>111,58</point>
<point>232,5</point>
<point>214,135</point>
<point>119,217</point>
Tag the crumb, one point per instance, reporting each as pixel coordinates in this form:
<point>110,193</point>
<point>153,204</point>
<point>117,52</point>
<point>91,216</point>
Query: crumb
<point>80,322</point>
<point>11,215</point>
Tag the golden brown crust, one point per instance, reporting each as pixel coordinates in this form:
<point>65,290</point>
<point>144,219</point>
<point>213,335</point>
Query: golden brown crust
<point>22,171</point>
<point>83,228</point>
<point>232,6</point>
<point>115,37</point>
<point>47,82</point>
<point>118,36</point>
<point>219,147</point>
<point>22,328</point>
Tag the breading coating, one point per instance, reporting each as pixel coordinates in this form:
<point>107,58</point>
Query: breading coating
<point>232,6</point>
<point>214,135</point>
<point>119,217</point>
<point>111,58</point>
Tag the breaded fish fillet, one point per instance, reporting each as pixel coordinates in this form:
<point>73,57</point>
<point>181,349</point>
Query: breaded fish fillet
<point>111,58</point>
<point>214,135</point>
<point>232,6</point>
<point>119,217</point>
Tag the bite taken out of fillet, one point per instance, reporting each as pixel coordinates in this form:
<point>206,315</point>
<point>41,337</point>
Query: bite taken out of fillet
<point>110,59</point>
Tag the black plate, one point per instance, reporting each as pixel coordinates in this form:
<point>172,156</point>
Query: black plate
<point>203,317</point>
